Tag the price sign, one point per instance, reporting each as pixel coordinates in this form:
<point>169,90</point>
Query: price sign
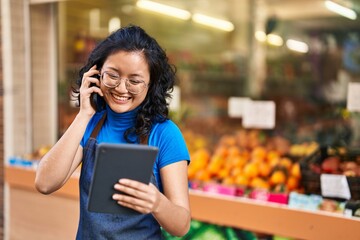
<point>353,97</point>
<point>333,185</point>
<point>236,106</point>
<point>259,114</point>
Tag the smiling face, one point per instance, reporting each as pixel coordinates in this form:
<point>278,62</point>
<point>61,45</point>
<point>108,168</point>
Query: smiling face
<point>130,65</point>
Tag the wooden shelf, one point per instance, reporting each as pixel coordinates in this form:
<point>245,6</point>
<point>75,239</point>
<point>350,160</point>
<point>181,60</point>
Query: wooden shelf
<point>236,212</point>
<point>23,178</point>
<point>272,218</point>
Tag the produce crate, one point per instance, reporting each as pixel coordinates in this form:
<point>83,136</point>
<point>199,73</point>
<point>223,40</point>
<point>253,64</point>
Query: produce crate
<point>311,169</point>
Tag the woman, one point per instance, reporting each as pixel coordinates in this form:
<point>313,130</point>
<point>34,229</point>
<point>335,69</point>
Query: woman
<point>130,78</point>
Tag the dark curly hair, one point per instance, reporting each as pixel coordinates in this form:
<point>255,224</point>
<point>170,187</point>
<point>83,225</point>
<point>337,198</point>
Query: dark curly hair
<point>162,74</point>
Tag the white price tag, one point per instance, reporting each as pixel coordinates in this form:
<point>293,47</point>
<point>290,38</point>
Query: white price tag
<point>236,106</point>
<point>353,99</point>
<point>333,185</point>
<point>259,114</point>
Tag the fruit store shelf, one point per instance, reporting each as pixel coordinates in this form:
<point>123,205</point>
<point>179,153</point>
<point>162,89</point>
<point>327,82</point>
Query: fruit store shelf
<point>271,218</point>
<point>236,212</point>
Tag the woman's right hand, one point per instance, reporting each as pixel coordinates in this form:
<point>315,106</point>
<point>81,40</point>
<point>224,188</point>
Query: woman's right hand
<point>89,85</point>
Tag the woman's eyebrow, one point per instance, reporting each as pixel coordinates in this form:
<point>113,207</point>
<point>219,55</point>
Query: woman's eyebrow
<point>112,68</point>
<point>118,71</point>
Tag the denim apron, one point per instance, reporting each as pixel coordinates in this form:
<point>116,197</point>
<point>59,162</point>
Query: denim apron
<point>94,226</point>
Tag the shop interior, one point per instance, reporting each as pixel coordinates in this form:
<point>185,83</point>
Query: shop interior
<point>251,60</point>
<point>296,63</point>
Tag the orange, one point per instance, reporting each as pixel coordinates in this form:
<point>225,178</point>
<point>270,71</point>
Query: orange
<point>228,181</point>
<point>228,140</point>
<point>239,161</point>
<point>242,180</point>
<point>272,154</point>
<point>233,151</point>
<point>292,183</point>
<point>216,164</point>
<point>223,173</point>
<point>251,170</point>
<point>221,151</point>
<point>200,159</point>
<point>191,173</point>
<point>277,177</point>
<point>246,154</point>
<point>286,162</point>
<point>236,171</point>
<point>203,175</point>
<point>259,183</point>
<point>295,170</point>
<point>273,162</point>
<point>264,169</point>
<point>259,152</point>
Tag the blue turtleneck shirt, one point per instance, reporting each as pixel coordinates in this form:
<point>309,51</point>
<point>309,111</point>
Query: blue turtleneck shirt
<point>165,135</point>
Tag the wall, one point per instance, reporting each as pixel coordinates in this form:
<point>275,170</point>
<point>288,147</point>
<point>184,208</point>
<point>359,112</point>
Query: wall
<point>43,75</point>
<point>1,142</point>
<point>28,93</point>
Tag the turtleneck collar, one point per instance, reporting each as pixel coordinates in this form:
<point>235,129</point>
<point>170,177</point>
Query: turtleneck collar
<point>121,121</point>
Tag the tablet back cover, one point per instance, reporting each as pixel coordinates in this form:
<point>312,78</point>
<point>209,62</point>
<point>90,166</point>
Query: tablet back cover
<point>115,161</point>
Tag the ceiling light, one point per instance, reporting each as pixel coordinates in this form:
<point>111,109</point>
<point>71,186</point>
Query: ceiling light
<point>297,46</point>
<point>114,24</point>
<point>343,11</point>
<point>260,36</point>
<point>164,9</point>
<point>213,22</point>
<point>275,40</point>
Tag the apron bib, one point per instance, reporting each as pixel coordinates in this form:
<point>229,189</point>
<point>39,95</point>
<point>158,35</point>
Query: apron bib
<point>94,226</point>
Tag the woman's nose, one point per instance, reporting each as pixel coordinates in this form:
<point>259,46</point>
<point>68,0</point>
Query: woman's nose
<point>122,85</point>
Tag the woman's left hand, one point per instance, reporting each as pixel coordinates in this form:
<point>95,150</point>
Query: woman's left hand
<point>141,197</point>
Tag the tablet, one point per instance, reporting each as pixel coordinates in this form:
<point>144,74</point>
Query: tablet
<point>115,161</point>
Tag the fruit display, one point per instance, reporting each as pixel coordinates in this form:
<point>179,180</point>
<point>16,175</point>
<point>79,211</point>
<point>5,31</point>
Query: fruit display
<point>336,164</point>
<point>250,159</point>
<point>331,160</point>
<point>30,160</point>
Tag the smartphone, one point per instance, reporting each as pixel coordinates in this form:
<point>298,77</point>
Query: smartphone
<point>96,101</point>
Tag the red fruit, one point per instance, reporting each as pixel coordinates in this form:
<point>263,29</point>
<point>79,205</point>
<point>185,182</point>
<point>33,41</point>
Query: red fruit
<point>330,165</point>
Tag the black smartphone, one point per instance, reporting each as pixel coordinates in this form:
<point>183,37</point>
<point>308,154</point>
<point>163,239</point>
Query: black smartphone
<point>96,101</point>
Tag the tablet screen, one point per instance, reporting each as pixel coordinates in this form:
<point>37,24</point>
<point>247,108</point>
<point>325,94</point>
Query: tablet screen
<point>115,161</point>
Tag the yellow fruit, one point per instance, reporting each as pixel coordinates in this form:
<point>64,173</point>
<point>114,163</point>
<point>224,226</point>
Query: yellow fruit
<point>242,180</point>
<point>203,175</point>
<point>259,153</point>
<point>277,177</point>
<point>251,170</point>
<point>228,181</point>
<point>264,169</point>
<point>295,171</point>
<point>259,183</point>
<point>286,162</point>
<point>292,183</point>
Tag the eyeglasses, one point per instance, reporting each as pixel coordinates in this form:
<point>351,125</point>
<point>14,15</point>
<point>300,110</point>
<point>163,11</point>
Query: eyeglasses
<point>112,80</point>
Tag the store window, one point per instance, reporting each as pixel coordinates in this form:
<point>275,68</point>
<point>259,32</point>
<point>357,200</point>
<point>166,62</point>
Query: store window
<point>210,64</point>
<point>300,60</point>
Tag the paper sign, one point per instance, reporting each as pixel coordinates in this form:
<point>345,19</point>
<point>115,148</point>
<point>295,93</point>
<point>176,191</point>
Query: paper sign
<point>353,97</point>
<point>236,106</point>
<point>333,185</point>
<point>259,114</point>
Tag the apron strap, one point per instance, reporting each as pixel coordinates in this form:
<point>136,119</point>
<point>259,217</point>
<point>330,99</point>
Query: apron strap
<point>98,126</point>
